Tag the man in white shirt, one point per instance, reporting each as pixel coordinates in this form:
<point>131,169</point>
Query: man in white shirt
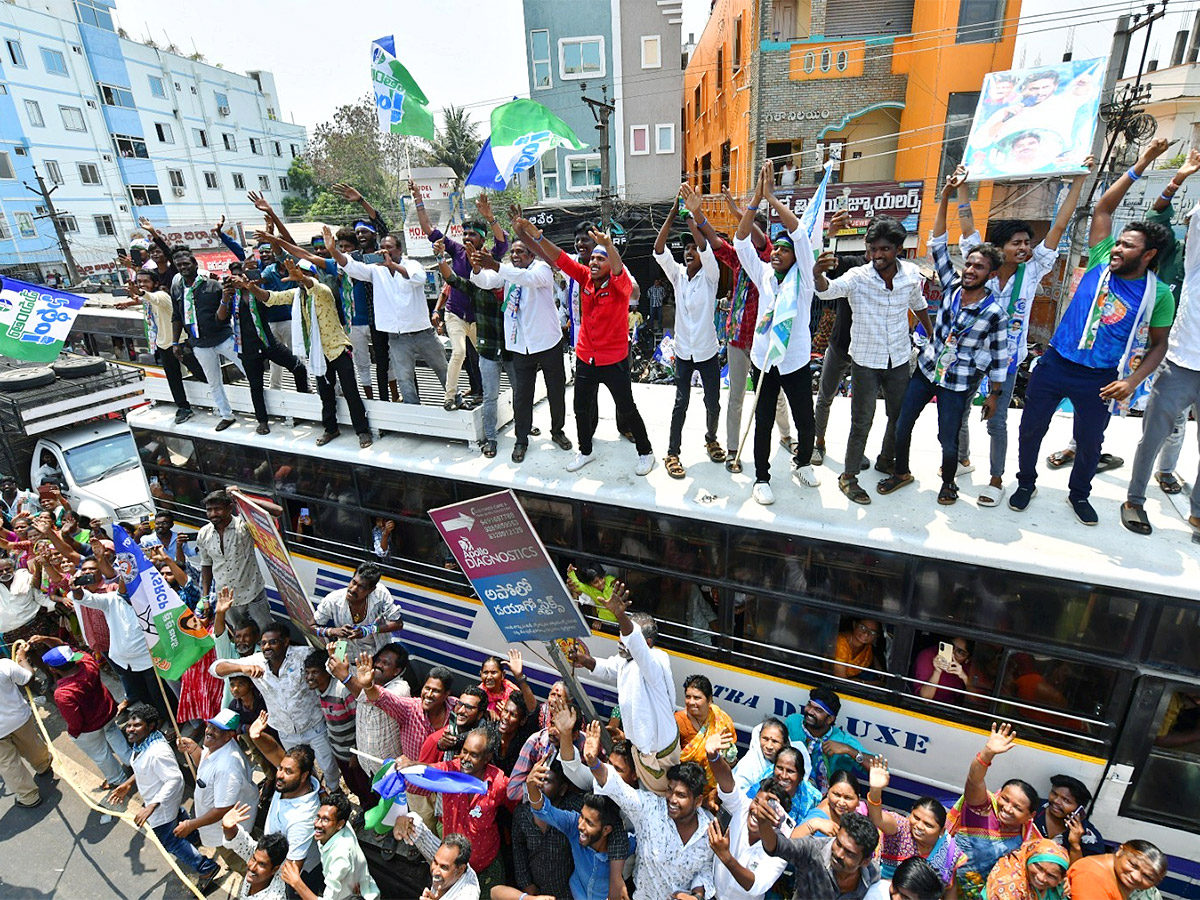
<point>401,312</point>
<point>223,778</point>
<point>449,862</point>
<point>160,782</point>
<point>696,345</point>
<point>22,605</point>
<point>881,294</point>
<point>19,737</point>
<point>277,670</point>
<point>364,613</point>
<point>532,334</point>
<point>225,548</point>
<point>645,690</point>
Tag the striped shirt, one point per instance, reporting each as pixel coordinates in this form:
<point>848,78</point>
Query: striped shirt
<point>337,705</point>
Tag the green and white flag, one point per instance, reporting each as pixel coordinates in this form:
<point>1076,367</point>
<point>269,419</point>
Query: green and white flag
<point>403,108</point>
<point>522,131</point>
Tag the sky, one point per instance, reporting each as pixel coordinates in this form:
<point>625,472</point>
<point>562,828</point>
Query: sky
<point>483,64</point>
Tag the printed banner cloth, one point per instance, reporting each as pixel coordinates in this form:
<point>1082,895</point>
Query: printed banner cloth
<point>279,562</point>
<point>34,320</point>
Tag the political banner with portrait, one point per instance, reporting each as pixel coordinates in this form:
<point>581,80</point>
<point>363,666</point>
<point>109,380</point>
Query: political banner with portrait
<point>1032,122</point>
<point>279,562</point>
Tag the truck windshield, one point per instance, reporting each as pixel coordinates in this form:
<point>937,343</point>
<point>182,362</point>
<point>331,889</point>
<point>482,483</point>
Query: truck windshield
<point>91,462</point>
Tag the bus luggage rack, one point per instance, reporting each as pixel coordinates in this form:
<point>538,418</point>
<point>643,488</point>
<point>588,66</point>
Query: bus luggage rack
<point>67,400</point>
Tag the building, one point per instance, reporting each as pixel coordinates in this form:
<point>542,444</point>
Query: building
<point>887,89</point>
<point>631,48</point>
<point>123,130</point>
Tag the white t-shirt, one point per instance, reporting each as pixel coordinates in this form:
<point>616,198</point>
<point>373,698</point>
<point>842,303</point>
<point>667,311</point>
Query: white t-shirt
<point>20,601</point>
<point>766,868</point>
<point>226,779</point>
<point>14,710</point>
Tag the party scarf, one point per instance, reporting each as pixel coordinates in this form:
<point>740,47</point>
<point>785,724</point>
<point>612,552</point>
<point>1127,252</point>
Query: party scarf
<point>512,298</point>
<point>306,331</point>
<point>189,308</point>
<point>256,317</point>
<point>1139,334</point>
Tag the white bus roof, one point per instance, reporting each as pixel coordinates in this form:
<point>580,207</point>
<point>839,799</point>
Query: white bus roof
<point>1044,540</point>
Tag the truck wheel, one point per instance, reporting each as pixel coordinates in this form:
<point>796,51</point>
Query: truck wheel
<point>26,379</point>
<point>79,366</point>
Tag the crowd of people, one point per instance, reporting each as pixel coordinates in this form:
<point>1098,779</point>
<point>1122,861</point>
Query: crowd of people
<point>279,751</point>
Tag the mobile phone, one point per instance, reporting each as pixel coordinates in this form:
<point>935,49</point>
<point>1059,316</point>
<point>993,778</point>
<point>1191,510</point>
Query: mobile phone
<point>339,650</point>
<point>304,512</point>
<point>786,824</point>
<point>186,536</point>
<point>1073,816</point>
<point>85,578</point>
<point>318,241</point>
<point>683,211</point>
<point>46,491</point>
<point>946,652</point>
<point>551,756</point>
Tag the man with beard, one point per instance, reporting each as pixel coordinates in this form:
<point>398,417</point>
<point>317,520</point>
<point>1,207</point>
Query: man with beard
<point>375,732</point>
<point>178,545</point>
<point>223,778</point>
<point>830,746</point>
<point>343,864</point>
<point>364,613</point>
<point>449,862</point>
<point>444,744</point>
<point>225,547</point>
<point>827,868</point>
<point>417,717</point>
<point>201,311</point>
<point>1112,336</point>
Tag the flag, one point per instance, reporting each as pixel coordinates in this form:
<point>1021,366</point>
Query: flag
<point>812,223</point>
<point>34,320</point>
<point>522,131</point>
<point>402,107</point>
<point>173,634</point>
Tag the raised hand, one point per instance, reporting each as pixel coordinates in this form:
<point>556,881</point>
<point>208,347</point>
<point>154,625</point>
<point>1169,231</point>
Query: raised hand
<point>260,202</point>
<point>878,773</point>
<point>439,247</point>
<point>718,840</point>
<point>603,239</point>
<point>955,181</point>
<point>417,196</point>
<point>1156,148</point>
<point>145,223</point>
<point>1191,165</point>
<point>346,192</point>
<point>268,237</point>
<point>219,227</point>
<point>258,726</point>
<point>692,200</point>
<point>539,773</point>
<point>839,221</point>
<point>564,720</point>
<point>405,829</point>
<point>484,205</point>
<point>225,600</point>
<point>1002,739</point>
<point>766,179</point>
<point>365,670</point>
<point>765,812</point>
<point>236,815</point>
<point>591,743</point>
<point>826,262</point>
<point>718,742</point>
<point>618,602</point>
<point>515,664</point>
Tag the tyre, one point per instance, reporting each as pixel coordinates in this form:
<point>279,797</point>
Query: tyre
<point>79,366</point>
<point>26,379</point>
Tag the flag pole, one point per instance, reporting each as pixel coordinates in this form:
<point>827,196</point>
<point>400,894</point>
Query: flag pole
<point>171,712</point>
<point>746,431</point>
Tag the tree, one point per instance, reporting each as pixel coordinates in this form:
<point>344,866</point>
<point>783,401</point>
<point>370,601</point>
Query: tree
<point>456,144</point>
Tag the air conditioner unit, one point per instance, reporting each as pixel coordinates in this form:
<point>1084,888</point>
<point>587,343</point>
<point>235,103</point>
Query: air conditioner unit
<point>123,208</point>
<point>178,192</point>
<point>223,110</point>
<point>108,157</point>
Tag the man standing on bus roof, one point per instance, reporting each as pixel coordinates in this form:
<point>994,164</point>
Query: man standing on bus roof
<point>645,690</point>
<point>1112,336</point>
<point>830,746</point>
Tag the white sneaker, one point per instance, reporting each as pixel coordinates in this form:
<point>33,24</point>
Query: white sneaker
<point>644,465</point>
<point>580,460</point>
<point>807,476</point>
<point>762,493</point>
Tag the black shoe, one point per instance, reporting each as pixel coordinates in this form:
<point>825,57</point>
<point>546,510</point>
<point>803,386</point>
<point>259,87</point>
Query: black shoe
<point>864,465</point>
<point>262,428</point>
<point>488,449</point>
<point>207,883</point>
<point>183,414</point>
<point>1084,512</point>
<point>223,424</point>
<point>518,454</point>
<point>1021,496</point>
<point>561,439</point>
<point>453,403</point>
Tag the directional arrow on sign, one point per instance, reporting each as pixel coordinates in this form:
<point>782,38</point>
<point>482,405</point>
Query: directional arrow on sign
<point>462,520</point>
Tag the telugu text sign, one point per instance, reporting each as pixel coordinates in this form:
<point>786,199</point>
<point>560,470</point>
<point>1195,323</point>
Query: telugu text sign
<point>499,551</point>
<point>279,561</point>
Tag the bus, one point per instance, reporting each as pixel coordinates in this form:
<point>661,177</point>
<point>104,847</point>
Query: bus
<point>1085,638</point>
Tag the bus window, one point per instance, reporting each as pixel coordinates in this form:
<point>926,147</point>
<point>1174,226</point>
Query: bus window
<point>1167,786</point>
<point>235,463</point>
<point>553,520</point>
<point>784,631</point>
<point>1177,637</point>
<point>402,494</point>
<point>857,576</point>
<point>180,492</point>
<point>319,479</point>
<point>618,534</point>
<point>860,650</point>
<point>1065,612</point>
<point>308,520</point>
<point>1068,696</point>
<point>157,449</point>
<point>963,677</point>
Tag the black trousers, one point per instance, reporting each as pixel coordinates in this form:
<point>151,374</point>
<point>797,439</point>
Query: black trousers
<point>341,369</point>
<point>170,366</point>
<point>526,366</point>
<point>797,387</point>
<point>379,349</point>
<point>615,377</point>
<point>255,360</point>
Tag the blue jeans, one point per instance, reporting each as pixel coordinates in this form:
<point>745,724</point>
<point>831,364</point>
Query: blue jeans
<point>403,349</point>
<point>108,749</point>
<point>997,427</point>
<point>950,406</point>
<point>489,371</point>
<point>182,850</point>
<point>1055,379</point>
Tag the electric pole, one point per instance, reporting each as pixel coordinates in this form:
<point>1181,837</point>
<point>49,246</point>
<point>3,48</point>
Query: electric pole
<point>601,111</point>
<point>52,215</point>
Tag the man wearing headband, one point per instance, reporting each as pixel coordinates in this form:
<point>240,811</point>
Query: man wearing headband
<point>274,278</point>
<point>830,746</point>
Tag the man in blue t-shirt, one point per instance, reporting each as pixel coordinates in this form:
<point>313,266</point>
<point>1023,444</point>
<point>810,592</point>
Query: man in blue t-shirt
<point>1111,337</point>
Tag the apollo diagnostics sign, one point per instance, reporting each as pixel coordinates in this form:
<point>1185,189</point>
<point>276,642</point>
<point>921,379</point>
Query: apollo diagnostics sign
<point>498,550</point>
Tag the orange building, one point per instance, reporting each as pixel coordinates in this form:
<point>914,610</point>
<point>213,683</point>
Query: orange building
<point>888,88</point>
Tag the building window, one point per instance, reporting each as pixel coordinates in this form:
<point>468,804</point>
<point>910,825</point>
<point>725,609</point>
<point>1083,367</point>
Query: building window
<point>164,132</point>
<point>843,61</point>
<point>651,51</point>
<point>256,146</point>
<point>130,147</point>
<point>72,117</point>
<point>583,172</point>
<point>210,180</point>
<point>960,110</point>
<point>6,166</point>
<point>222,102</point>
<point>581,58</point>
<point>726,155</point>
<point>175,176</point>
<point>264,183</point>
<point>34,111</point>
<point>737,45</point>
<point>826,59</point>
<point>295,151</point>
<point>550,175</point>
<point>278,148</point>
<point>639,140</point>
<point>664,138</point>
<point>157,88</point>
<point>283,183</point>
<point>239,181</point>
<point>54,171</point>
<point>539,57</point>
<point>720,69</point>
<point>115,96</point>
<point>200,136</point>
<point>15,54</point>
<point>980,21</point>
<point>810,62</point>
<point>229,140</point>
<point>25,226</point>
<point>55,62</point>
<point>105,226</point>
<point>697,100</point>
<point>706,173</point>
<point>69,224</point>
<point>145,195</point>
<point>5,234</point>
<point>89,173</point>
<point>91,12</point>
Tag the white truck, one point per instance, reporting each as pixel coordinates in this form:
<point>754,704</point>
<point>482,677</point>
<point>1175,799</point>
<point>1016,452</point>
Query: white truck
<point>66,421</point>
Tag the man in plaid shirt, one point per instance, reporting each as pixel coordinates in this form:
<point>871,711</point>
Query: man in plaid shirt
<point>970,335</point>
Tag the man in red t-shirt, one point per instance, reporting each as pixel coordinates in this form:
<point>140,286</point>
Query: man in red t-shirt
<point>602,349</point>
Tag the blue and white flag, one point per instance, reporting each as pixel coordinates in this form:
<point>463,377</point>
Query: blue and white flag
<point>522,131</point>
<point>34,320</point>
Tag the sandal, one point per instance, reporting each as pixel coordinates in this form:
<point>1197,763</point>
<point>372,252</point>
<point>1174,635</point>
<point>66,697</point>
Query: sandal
<point>1169,483</point>
<point>365,440</point>
<point>852,489</point>
<point>893,483</point>
<point>326,438</point>
<point>715,453</point>
<point>1135,519</point>
<point>1108,462</point>
<point>991,495</point>
<point>1060,458</point>
<point>733,466</point>
<point>948,495</point>
<point>674,467</point>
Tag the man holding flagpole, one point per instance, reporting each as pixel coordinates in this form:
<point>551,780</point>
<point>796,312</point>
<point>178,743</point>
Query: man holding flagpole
<point>782,341</point>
